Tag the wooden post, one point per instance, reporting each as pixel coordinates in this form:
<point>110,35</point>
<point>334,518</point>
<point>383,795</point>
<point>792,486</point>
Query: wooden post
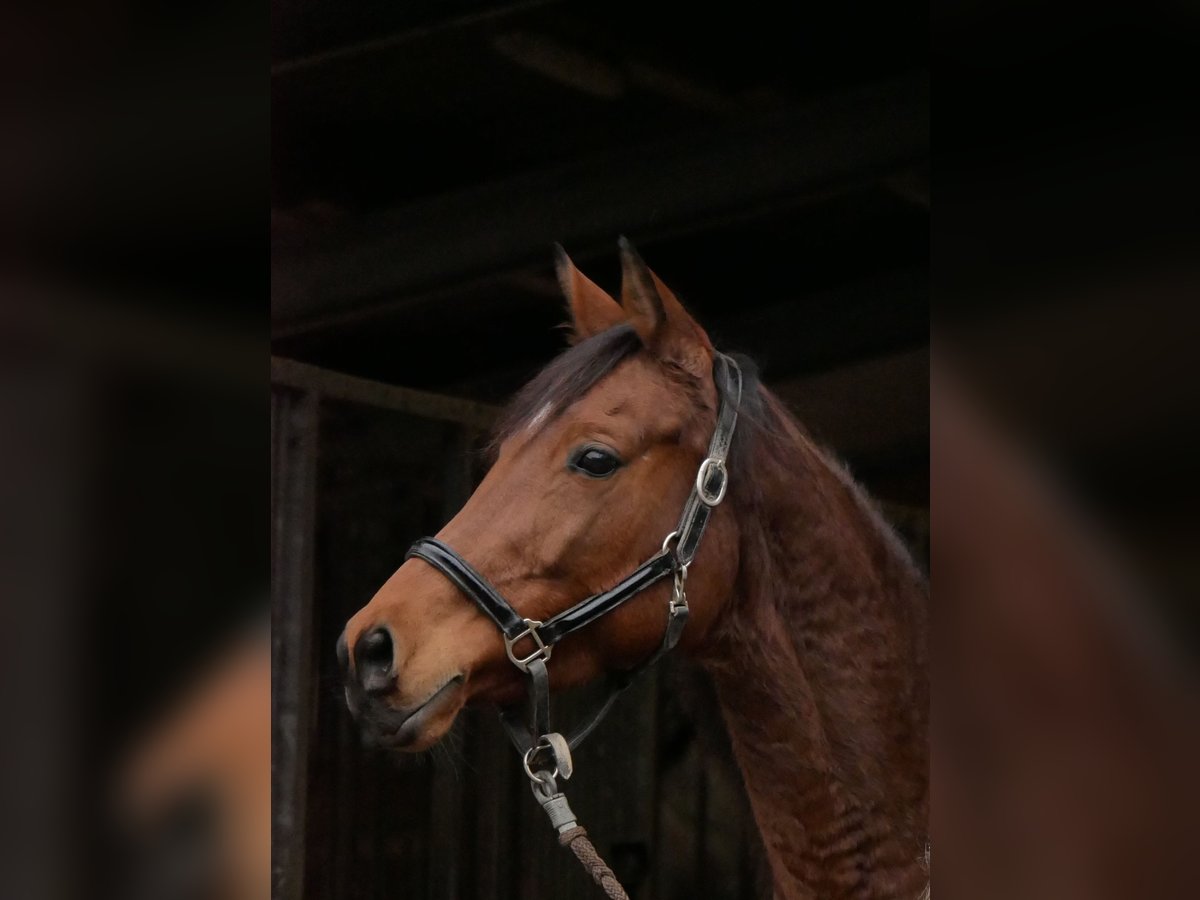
<point>294,421</point>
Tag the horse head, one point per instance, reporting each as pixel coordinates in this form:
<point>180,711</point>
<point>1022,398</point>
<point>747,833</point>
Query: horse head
<point>596,457</point>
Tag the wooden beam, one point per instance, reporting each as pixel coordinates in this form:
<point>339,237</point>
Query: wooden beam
<point>648,191</point>
<point>474,14</point>
<point>340,386</point>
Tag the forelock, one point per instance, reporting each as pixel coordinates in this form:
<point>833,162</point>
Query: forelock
<point>567,378</point>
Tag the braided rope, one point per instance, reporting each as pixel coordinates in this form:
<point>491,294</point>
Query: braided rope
<point>576,838</point>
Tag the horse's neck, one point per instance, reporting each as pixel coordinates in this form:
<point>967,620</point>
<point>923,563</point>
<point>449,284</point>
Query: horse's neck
<point>820,665</point>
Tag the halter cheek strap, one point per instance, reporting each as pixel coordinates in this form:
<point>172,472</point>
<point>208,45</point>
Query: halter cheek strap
<point>529,643</point>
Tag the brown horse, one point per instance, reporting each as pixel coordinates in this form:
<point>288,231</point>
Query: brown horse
<point>806,610</point>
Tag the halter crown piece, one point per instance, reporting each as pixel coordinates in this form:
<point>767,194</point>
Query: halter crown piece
<point>546,754</point>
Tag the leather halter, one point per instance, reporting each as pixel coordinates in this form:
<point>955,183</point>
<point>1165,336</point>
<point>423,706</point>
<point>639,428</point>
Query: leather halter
<point>678,550</point>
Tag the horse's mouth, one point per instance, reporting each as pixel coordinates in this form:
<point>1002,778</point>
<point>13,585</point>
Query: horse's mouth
<point>406,729</point>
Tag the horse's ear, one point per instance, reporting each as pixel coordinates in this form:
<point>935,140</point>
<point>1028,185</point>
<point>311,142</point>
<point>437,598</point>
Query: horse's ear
<point>592,310</point>
<point>658,317</point>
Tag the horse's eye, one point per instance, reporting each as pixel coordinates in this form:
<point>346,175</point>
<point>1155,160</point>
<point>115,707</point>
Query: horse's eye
<point>593,461</point>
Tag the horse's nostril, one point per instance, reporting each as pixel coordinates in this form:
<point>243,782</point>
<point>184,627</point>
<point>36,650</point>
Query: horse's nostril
<point>373,660</point>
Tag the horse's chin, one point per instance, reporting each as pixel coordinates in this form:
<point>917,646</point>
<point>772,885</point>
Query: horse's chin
<point>414,728</point>
<point>505,693</point>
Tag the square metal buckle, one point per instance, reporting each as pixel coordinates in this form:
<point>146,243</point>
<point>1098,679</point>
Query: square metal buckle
<point>542,651</point>
<point>712,464</point>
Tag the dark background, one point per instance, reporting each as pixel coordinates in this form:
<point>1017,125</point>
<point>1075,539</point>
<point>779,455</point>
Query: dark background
<point>771,166</point>
<point>135,265</point>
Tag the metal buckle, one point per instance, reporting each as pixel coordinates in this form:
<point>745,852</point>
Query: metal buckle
<point>678,591</point>
<point>706,469</point>
<point>541,652</point>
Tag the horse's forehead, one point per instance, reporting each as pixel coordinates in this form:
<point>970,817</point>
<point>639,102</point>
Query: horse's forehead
<point>634,394</point>
<point>635,386</point>
<point>630,400</point>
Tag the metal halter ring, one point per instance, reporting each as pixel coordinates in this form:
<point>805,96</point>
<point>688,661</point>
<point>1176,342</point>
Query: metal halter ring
<point>666,545</point>
<point>542,651</point>
<point>706,468</point>
<point>538,775</point>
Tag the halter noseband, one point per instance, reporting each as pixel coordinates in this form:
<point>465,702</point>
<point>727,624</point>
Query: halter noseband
<point>678,550</point>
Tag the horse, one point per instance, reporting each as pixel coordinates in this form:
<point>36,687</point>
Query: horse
<point>803,606</point>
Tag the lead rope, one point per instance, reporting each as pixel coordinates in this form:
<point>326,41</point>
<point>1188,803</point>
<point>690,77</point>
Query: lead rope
<point>577,840</point>
<point>573,835</point>
<point>544,783</point>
